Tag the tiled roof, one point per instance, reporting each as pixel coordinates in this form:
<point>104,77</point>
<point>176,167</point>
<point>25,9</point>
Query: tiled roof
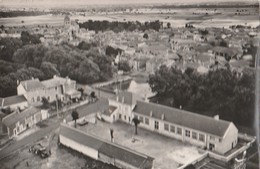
<point>183,118</point>
<point>16,116</point>
<point>110,110</point>
<point>99,106</point>
<point>122,154</point>
<point>80,137</point>
<point>56,81</point>
<point>32,84</point>
<point>12,100</point>
<point>127,97</point>
<point>109,149</point>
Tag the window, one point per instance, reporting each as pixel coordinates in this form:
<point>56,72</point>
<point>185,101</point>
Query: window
<point>120,116</point>
<point>212,138</point>
<point>166,127</point>
<point>172,129</point>
<point>141,119</point>
<point>179,131</point>
<point>156,125</point>
<point>220,140</point>
<point>187,133</point>
<point>125,117</point>
<point>147,121</point>
<point>202,137</point>
<point>194,135</point>
<point>135,116</point>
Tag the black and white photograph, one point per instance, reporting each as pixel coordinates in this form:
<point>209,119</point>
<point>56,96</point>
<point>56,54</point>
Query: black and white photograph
<point>129,84</point>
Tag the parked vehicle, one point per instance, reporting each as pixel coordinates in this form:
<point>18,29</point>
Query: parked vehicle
<point>82,123</point>
<point>40,150</point>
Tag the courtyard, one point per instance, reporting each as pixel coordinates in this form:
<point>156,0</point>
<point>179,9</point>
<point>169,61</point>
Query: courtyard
<point>168,153</point>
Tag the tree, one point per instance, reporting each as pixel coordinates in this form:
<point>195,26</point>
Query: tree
<point>75,116</point>
<point>136,122</point>
<point>124,66</point>
<point>45,102</point>
<point>145,36</point>
<point>49,69</point>
<point>168,25</point>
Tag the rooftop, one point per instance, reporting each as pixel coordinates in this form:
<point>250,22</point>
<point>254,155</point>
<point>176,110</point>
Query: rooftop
<point>109,149</point>
<point>19,116</point>
<point>56,81</point>
<point>184,118</point>
<point>31,84</point>
<point>12,100</point>
<point>127,97</point>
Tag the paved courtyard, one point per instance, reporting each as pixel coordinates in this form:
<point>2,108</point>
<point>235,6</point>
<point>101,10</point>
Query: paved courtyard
<point>168,153</point>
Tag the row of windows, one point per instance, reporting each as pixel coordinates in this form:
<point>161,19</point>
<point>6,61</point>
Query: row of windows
<point>178,130</point>
<point>173,129</point>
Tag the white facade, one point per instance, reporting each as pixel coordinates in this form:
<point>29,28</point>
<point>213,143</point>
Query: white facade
<point>79,147</point>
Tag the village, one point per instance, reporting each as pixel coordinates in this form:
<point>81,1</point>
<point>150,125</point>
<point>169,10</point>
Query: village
<point>122,127</point>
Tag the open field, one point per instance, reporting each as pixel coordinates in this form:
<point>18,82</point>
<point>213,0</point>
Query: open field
<point>177,18</point>
<point>168,153</point>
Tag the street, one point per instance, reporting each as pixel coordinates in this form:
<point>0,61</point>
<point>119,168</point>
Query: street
<point>15,146</point>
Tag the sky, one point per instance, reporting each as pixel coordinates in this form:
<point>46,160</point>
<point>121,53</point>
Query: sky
<point>116,1</point>
<point>83,3</point>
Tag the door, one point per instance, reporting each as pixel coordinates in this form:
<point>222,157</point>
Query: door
<point>156,125</point>
<point>211,146</point>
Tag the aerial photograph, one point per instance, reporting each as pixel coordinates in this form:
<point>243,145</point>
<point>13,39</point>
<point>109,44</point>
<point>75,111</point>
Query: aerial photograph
<point>119,84</point>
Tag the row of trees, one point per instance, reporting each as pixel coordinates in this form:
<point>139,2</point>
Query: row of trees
<point>221,92</point>
<point>120,26</point>
<point>24,59</point>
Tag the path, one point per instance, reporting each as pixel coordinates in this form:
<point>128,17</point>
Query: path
<point>28,140</point>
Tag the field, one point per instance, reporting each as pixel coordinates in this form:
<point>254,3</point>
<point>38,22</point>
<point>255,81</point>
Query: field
<point>199,17</point>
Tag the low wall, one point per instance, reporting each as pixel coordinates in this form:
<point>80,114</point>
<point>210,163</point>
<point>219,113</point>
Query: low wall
<point>232,155</point>
<point>203,156</point>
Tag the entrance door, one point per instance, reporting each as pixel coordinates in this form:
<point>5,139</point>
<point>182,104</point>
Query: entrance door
<point>211,146</point>
<point>156,125</point>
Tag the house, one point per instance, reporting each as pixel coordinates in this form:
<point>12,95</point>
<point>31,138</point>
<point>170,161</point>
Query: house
<point>86,112</point>
<point>125,102</point>
<point>52,89</point>
<point>18,122</point>
<point>61,88</point>
<point>33,90</point>
<point>104,151</point>
<point>14,102</point>
<point>210,133</point>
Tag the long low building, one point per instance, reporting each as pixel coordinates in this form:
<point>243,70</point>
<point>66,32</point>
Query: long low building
<point>213,134</point>
<point>101,150</point>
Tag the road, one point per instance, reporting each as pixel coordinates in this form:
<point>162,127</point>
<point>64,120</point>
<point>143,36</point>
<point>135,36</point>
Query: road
<point>28,140</point>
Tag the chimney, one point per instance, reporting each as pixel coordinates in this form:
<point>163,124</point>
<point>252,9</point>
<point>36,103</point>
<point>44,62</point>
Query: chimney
<point>18,82</point>
<point>216,117</point>
<point>151,113</point>
<point>123,99</point>
<point>117,98</point>
<point>162,117</point>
